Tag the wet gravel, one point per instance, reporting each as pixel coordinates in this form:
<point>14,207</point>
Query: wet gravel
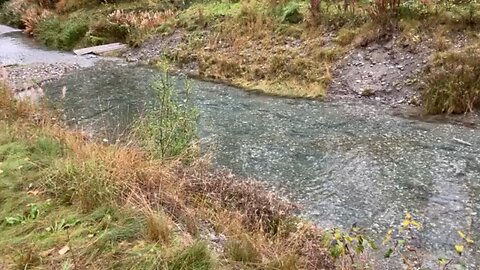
<point>24,77</point>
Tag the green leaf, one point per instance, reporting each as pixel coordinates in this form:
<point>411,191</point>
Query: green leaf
<point>389,253</point>
<point>460,266</point>
<point>359,249</point>
<point>373,245</point>
<point>34,211</point>
<point>15,220</point>
<point>443,261</point>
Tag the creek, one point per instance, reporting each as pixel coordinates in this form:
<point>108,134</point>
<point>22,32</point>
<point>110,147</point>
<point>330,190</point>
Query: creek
<point>344,162</point>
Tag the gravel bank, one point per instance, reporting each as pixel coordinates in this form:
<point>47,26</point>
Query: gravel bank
<point>23,77</point>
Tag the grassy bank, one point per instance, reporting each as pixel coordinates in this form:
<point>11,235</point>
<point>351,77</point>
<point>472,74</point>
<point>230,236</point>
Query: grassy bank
<point>71,203</point>
<point>286,48</point>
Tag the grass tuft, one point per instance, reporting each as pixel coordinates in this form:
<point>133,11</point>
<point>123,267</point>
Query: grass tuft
<point>195,257</point>
<point>452,83</point>
<point>243,250</point>
<point>157,228</point>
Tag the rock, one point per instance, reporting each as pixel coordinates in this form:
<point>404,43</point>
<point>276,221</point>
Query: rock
<point>366,92</point>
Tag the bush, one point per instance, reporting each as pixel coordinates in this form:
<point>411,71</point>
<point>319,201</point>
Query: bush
<point>11,13</point>
<point>169,128</point>
<point>452,84</point>
<point>291,13</point>
<point>59,34</point>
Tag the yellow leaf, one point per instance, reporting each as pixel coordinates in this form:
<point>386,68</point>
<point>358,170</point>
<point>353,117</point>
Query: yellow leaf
<point>405,223</point>
<point>408,216</point>
<point>462,235</point>
<point>416,224</point>
<point>388,236</point>
<point>469,240</point>
<point>1,171</point>
<point>459,249</point>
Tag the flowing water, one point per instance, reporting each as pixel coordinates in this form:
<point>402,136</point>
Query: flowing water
<point>16,48</point>
<point>344,163</point>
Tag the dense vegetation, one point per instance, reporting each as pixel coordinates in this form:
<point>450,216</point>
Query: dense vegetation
<point>280,47</point>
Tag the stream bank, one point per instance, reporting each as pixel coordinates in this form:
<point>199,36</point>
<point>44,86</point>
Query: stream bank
<point>345,162</point>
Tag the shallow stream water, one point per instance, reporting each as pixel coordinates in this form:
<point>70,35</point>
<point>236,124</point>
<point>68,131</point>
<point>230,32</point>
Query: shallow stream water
<point>344,163</point>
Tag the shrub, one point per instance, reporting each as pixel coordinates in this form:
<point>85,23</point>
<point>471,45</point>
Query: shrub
<point>32,17</point>
<point>11,12</point>
<point>49,31</point>
<point>59,34</point>
<point>169,127</point>
<point>452,84</point>
<point>382,11</point>
<point>291,13</point>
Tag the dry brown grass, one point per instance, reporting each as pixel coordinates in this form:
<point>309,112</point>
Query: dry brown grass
<point>32,18</point>
<point>141,19</point>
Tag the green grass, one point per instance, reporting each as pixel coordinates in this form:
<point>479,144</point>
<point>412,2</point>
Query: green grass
<point>36,221</point>
<point>195,257</point>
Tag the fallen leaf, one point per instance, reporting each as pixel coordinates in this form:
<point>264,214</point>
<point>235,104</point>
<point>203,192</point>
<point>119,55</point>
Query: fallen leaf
<point>34,192</point>
<point>47,253</point>
<point>1,171</point>
<point>64,250</point>
<point>459,249</point>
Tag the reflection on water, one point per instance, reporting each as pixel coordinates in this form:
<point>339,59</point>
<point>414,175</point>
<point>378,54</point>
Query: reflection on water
<point>344,163</point>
